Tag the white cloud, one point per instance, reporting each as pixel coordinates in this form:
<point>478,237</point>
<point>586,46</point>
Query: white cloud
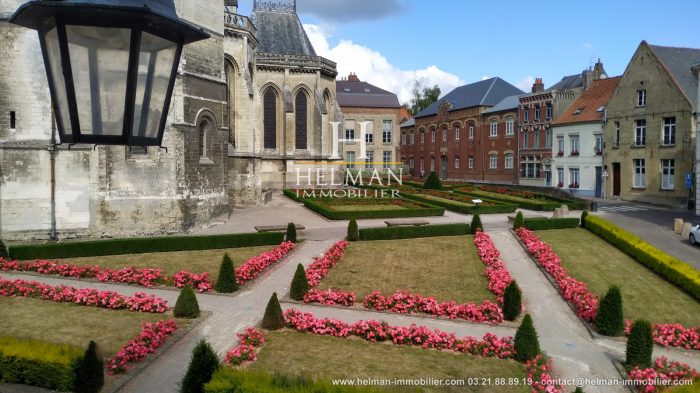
<point>587,46</point>
<point>525,84</point>
<point>373,67</point>
<point>484,77</point>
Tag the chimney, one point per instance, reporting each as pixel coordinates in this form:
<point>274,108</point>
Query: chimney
<point>353,77</point>
<point>538,86</point>
<point>599,71</point>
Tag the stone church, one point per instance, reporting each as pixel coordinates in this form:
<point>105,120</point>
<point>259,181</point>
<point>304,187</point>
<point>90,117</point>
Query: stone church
<point>250,104</point>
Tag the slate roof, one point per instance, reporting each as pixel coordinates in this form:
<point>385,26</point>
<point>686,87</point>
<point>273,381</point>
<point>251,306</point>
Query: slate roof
<point>363,94</point>
<point>678,62</point>
<point>568,82</point>
<point>585,108</point>
<point>281,32</point>
<point>409,123</point>
<point>508,103</point>
<point>488,92</point>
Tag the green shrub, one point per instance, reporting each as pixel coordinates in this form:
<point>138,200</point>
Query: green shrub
<point>519,220</point>
<point>640,345</point>
<point>300,285</point>
<point>186,305</point>
<point>291,233</point>
<point>578,390</point>
<point>544,204</point>
<point>425,211</point>
<point>273,319</point>
<point>512,301</point>
<point>537,224</point>
<point>353,231</point>
<point>465,207</point>
<point>476,224</point>
<point>584,214</point>
<point>3,251</point>
<point>609,320</point>
<point>672,269</point>
<point>527,346</point>
<point>89,373</point>
<point>226,283</point>
<point>432,182</point>
<point>38,363</point>
<point>203,365</point>
<point>229,380</point>
<point>142,245</point>
<point>410,232</point>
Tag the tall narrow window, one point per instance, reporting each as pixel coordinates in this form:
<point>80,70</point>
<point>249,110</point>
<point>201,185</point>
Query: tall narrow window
<point>432,163</point>
<point>270,119</point>
<point>432,136</point>
<point>669,134</point>
<point>13,120</point>
<point>456,133</point>
<point>422,137</point>
<point>509,161</point>
<point>300,104</point>
<point>444,134</point>
<point>412,137</point>
<point>536,139</point>
<point>493,161</point>
<point>642,97</point>
<point>203,127</point>
<point>560,145</point>
<point>526,141</point>
<point>640,132</point>
<point>494,128</point>
<point>616,142</point>
<point>526,114</point>
<point>350,131</point>
<point>386,131</point>
<point>386,159</point>
<point>639,173</point>
<point>599,144</point>
<point>471,131</point>
<point>369,160</point>
<point>548,138</point>
<point>350,159</point>
<point>471,162</point>
<point>369,136</point>
<point>668,169</point>
<point>574,177</point>
<point>456,162</point>
<point>422,166</point>
<point>537,112</point>
<point>403,138</point>
<point>510,125</point>
<point>575,146</point>
<point>549,111</point>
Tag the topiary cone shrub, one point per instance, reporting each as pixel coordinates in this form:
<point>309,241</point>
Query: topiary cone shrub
<point>584,214</point>
<point>300,285</point>
<point>519,220</point>
<point>609,320</point>
<point>527,346</point>
<point>578,390</point>
<point>273,319</point>
<point>203,365</point>
<point>3,250</point>
<point>353,231</point>
<point>640,345</point>
<point>432,182</point>
<point>226,283</point>
<point>512,301</point>
<point>291,232</point>
<point>89,372</point>
<point>476,224</point>
<point>186,305</point>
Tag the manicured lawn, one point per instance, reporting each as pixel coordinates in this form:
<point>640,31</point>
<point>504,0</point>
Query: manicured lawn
<point>447,268</point>
<point>173,262</point>
<point>367,208</point>
<point>645,295</point>
<point>330,357</point>
<point>74,324</point>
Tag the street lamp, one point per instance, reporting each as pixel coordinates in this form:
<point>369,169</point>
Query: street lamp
<point>111,65</point>
<point>477,202</point>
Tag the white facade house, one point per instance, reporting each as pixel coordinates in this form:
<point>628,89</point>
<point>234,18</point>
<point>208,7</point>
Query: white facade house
<point>577,145</point>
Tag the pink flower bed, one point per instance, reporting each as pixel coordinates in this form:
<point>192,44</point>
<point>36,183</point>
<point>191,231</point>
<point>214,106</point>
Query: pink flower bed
<point>539,371</point>
<point>89,297</point>
<point>672,335</point>
<point>420,336</point>
<point>253,267</point>
<point>130,275</point>
<point>661,375</point>
<point>319,269</point>
<point>152,337</point>
<point>496,272</point>
<point>403,302</point>
<point>245,351</point>
<point>574,291</point>
<point>330,297</point>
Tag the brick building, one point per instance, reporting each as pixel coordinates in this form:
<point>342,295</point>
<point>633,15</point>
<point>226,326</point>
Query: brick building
<point>363,102</point>
<point>453,136</point>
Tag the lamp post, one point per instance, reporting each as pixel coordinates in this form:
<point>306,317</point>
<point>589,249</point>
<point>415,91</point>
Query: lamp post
<point>111,65</point>
<point>477,202</point>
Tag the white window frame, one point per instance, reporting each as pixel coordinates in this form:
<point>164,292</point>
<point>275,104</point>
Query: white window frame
<point>369,159</point>
<point>403,139</point>
<point>432,164</point>
<point>411,162</point>
<point>444,134</point>
<point>412,138</point>
<point>456,162</point>
<point>510,125</point>
<point>560,145</point>
<point>386,159</point>
<point>668,172</point>
<point>548,137</point>
<point>350,159</point>
<point>526,114</point>
<point>639,168</point>
<point>350,132</point>
<point>668,129</point>
<point>432,136</point>
<point>640,132</point>
<point>560,176</point>
<point>616,141</point>
<point>538,112</point>
<point>386,132</point>
<point>422,165</point>
<point>536,139</point>
<point>642,97</point>
<point>493,161</point>
<point>549,111</point>
<point>457,132</point>
<point>471,162</point>
<point>471,131</point>
<point>575,144</point>
<point>508,163</point>
<point>574,177</point>
<point>422,137</point>
<point>494,128</point>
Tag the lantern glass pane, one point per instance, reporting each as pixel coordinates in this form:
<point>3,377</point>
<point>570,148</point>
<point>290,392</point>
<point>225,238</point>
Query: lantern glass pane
<point>156,59</point>
<point>53,55</point>
<point>100,61</point>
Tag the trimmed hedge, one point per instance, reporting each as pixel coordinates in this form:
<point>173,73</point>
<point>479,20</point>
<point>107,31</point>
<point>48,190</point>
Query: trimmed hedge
<point>672,269</point>
<point>536,224</point>
<point>229,380</point>
<point>429,210</point>
<point>550,204</point>
<point>94,248</point>
<point>410,232</point>
<point>463,208</point>
<point>38,363</point>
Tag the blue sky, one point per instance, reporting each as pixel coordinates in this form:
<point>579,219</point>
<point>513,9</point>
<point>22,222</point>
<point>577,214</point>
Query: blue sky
<point>465,41</point>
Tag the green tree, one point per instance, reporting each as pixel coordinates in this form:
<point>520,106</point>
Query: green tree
<point>584,214</point>
<point>609,320</point>
<point>300,285</point>
<point>476,224</point>
<point>512,301</point>
<point>186,305</point>
<point>640,345</point>
<point>432,182</point>
<point>519,220</point>
<point>422,96</point>
<point>226,283</point>
<point>203,364</point>
<point>527,346</point>
<point>291,232</point>
<point>273,319</point>
<point>353,231</point>
<point>3,251</point>
<point>89,372</point>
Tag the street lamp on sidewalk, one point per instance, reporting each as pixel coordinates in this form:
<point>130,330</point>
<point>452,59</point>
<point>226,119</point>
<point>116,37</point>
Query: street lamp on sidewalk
<point>111,65</point>
<point>477,202</point>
